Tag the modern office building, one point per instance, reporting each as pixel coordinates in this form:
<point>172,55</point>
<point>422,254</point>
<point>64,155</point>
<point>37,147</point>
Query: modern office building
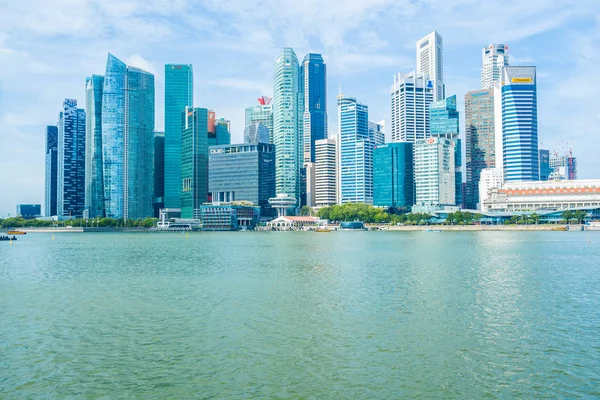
<point>430,62</point>
<point>230,216</point>
<point>194,161</point>
<point>410,97</point>
<point>261,113</point>
<point>308,186</point>
<point>356,152</point>
<point>159,172</point>
<point>519,124</point>
<point>326,172</point>
<point>480,141</point>
<point>179,93</point>
<point>51,176</point>
<point>222,134</point>
<point>243,172</point>
<point>376,132</point>
<point>494,58</point>
<point>393,175</point>
<point>128,140</point>
<point>545,169</point>
<point>313,78</point>
<point>490,178</point>
<point>29,211</point>
<point>256,133</point>
<point>434,172</point>
<point>94,182</point>
<point>564,168</point>
<point>71,160</point>
<point>287,124</point>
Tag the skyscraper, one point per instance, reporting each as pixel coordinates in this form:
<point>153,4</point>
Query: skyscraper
<point>179,93</point>
<point>325,172</point>
<point>434,172</point>
<point>545,169</point>
<point>287,124</point>
<point>51,184</point>
<point>430,62</point>
<point>256,133</point>
<point>314,88</point>
<point>159,172</point>
<point>222,131</point>
<point>194,161</point>
<point>261,113</point>
<point>393,179</point>
<point>564,168</point>
<point>94,182</point>
<point>494,59</point>
<point>356,152</point>
<point>519,124</point>
<point>410,98</point>
<point>376,132</point>
<point>128,140</point>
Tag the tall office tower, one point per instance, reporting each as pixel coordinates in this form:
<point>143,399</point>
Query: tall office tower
<point>434,172</point>
<point>376,132</point>
<point>179,94</point>
<point>393,175</point>
<point>545,169</point>
<point>127,140</point>
<point>313,78</point>
<point>287,124</point>
<point>194,161</point>
<point>519,124</point>
<point>494,59</point>
<point>51,178</point>
<point>480,145</point>
<point>261,113</point>
<point>71,160</point>
<point>411,95</point>
<point>222,132</point>
<point>94,182</point>
<point>325,172</point>
<point>256,133</point>
<point>356,152</point>
<point>564,168</point>
<point>430,62</point>
<point>159,172</point>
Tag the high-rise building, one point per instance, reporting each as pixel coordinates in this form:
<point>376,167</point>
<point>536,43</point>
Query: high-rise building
<point>128,140</point>
<point>222,132</point>
<point>325,172</point>
<point>256,133</point>
<point>51,178</point>
<point>29,211</point>
<point>194,161</point>
<point>159,172</point>
<point>430,62</point>
<point>261,113</point>
<point>71,160</point>
<point>243,172</point>
<point>410,98</point>
<point>480,145</point>
<point>94,182</point>
<point>564,168</point>
<point>519,124</point>
<point>393,175</point>
<point>287,124</point>
<point>356,152</point>
<point>179,94</point>
<point>545,169</point>
<point>376,132</point>
<point>313,78</point>
<point>494,59</point>
<point>434,172</point>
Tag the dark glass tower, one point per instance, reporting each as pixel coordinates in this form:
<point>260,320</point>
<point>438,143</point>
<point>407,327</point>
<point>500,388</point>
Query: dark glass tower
<point>51,170</point>
<point>393,179</point>
<point>313,79</point>
<point>194,161</point>
<point>94,182</point>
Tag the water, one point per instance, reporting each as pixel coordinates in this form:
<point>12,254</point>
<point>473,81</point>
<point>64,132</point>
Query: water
<point>342,315</point>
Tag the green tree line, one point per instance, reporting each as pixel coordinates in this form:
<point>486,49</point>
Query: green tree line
<point>367,214</point>
<point>18,222</point>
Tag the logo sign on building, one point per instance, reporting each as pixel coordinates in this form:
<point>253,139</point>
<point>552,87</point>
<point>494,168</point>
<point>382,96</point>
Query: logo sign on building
<point>216,151</point>
<point>521,80</point>
<point>431,140</point>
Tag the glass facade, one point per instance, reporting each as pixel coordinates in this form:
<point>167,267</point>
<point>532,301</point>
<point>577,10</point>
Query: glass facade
<point>262,114</point>
<point>393,180</point>
<point>51,178</point>
<point>194,161</point>
<point>29,211</point>
<point>94,182</point>
<point>159,172</point>
<point>228,217</point>
<point>313,77</point>
<point>410,98</point>
<point>545,169</point>
<point>256,133</point>
<point>179,93</point>
<point>434,172</point>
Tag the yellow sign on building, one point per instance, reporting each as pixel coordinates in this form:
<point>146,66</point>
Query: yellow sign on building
<point>522,80</point>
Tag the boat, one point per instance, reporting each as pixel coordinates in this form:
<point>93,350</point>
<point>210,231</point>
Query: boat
<point>559,228</point>
<point>322,229</point>
<point>432,230</point>
<point>5,238</point>
<point>16,233</point>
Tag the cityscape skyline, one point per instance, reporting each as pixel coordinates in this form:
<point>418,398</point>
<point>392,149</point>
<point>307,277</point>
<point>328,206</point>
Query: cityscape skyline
<point>461,54</point>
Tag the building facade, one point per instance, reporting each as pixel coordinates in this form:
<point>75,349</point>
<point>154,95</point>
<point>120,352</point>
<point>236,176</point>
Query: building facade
<point>493,59</point>
<point>410,98</point>
<point>159,172</point>
<point>51,176</point>
<point>326,172</point>
<point>563,168</point>
<point>231,216</point>
<point>256,133</point>
<point>376,132</point>
<point>94,182</point>
<point>313,78</point>
<point>545,169</point>
<point>490,178</point>
<point>434,172</point>
<point>393,175</point>
<point>194,161</point>
<point>430,62</point>
<point>221,134</point>
<point>29,211</point>
<point>261,113</point>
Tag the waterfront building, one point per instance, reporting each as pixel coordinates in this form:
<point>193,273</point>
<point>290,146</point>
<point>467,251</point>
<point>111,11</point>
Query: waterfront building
<point>230,216</point>
<point>256,133</point>
<point>519,124</point>
<point>434,172</point>
<point>94,182</point>
<point>71,160</point>
<point>376,132</point>
<point>480,141</point>
<point>287,124</point>
<point>326,172</point>
<point>393,175</point>
<point>490,178</point>
<point>563,167</point>
<point>51,167</point>
<point>313,78</point>
<point>411,95</point>
<point>430,62</point>
<point>242,172</point>
<point>194,161</point>
<point>545,169</point>
<point>128,140</point>
<point>494,58</point>
<point>179,93</point>
<point>356,152</point>
<point>159,172</point>
<point>262,113</point>
<point>286,223</point>
<point>29,211</point>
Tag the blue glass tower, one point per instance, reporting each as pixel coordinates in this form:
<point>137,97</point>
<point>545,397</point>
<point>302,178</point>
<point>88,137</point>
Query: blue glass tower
<point>393,179</point>
<point>94,183</point>
<point>51,171</point>
<point>313,78</point>
<point>545,169</point>
<point>194,161</point>
<point>519,124</point>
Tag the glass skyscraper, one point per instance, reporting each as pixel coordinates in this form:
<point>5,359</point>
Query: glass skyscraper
<point>222,134</point>
<point>410,98</point>
<point>545,169</point>
<point>51,178</point>
<point>256,133</point>
<point>393,180</point>
<point>314,88</point>
<point>519,124</point>
<point>71,160</point>
<point>493,59</point>
<point>159,172</point>
<point>128,140</point>
<point>261,113</point>
<point>94,182</point>
<point>194,161</point>
<point>179,94</point>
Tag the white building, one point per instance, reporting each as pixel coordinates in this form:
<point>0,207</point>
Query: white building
<point>494,58</point>
<point>491,178</point>
<point>376,131</point>
<point>410,96</point>
<point>430,62</point>
<point>434,172</point>
<point>325,172</point>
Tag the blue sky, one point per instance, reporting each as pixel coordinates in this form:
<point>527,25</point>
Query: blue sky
<point>48,48</point>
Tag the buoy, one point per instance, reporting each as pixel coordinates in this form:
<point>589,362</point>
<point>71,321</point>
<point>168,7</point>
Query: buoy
<point>187,236</point>
<point>52,237</point>
<point>10,241</point>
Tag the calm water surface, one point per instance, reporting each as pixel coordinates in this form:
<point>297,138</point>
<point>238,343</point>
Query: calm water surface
<point>343,315</point>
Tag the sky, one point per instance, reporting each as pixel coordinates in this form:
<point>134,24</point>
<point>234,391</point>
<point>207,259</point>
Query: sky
<point>48,48</point>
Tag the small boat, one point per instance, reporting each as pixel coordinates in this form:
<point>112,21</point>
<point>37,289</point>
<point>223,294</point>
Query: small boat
<point>16,233</point>
<point>5,238</point>
<point>559,228</point>
<point>322,229</point>
<point>432,230</point>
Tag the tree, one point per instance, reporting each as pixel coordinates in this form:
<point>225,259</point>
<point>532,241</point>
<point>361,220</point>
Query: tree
<point>535,218</point>
<point>568,215</point>
<point>579,216</point>
<point>307,211</point>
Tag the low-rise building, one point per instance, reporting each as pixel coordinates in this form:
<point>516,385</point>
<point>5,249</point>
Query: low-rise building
<point>229,216</point>
<point>29,211</point>
<point>284,223</point>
